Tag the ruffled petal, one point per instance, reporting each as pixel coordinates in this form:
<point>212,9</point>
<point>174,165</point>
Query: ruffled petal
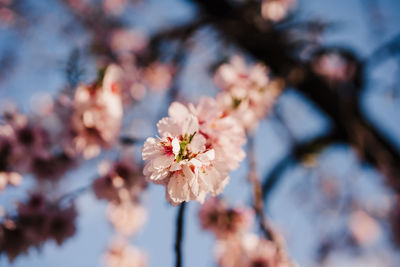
<point>178,111</point>
<point>178,188</point>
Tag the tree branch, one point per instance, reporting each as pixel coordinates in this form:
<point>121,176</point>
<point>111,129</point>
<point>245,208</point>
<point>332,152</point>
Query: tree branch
<point>258,202</point>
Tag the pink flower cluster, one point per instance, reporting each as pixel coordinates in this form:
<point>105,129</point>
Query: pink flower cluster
<point>197,147</point>
<point>97,113</point>
<point>121,183</point>
<point>334,67</point>
<point>247,92</point>
<point>236,247</point>
<point>223,221</point>
<point>37,221</point>
<point>248,251</point>
<point>27,146</point>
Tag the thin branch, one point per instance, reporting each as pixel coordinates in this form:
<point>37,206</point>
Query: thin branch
<point>129,140</point>
<point>258,202</point>
<point>179,235</point>
<point>71,196</point>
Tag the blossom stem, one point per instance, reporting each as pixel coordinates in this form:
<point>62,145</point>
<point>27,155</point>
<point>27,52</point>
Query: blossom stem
<point>179,235</point>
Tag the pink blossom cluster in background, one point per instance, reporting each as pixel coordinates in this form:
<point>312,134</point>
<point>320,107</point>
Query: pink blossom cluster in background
<point>121,184</point>
<point>248,93</point>
<point>236,246</point>
<point>36,221</point>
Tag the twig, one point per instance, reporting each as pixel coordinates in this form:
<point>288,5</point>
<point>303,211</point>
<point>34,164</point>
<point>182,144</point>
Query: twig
<point>70,196</point>
<point>258,202</point>
<point>179,235</point>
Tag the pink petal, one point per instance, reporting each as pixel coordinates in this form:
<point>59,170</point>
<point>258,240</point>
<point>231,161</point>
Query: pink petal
<point>178,188</point>
<point>178,111</point>
<point>198,143</point>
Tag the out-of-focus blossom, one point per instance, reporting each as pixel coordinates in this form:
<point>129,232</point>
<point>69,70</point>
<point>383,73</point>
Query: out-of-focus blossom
<point>9,178</point>
<point>51,166</point>
<point>364,229</point>
<point>249,250</point>
<point>122,175</point>
<point>114,7</point>
<point>121,254</point>
<point>26,146</point>
<point>223,221</point>
<point>60,224</point>
<point>248,93</point>
<point>81,6</point>
<point>276,10</point>
<point>184,159</point>
<point>7,15</point>
<point>13,241</point>
<point>97,116</point>
<point>127,41</point>
<point>20,142</point>
<point>158,76</point>
<point>37,221</point>
<point>334,67</point>
<point>127,217</point>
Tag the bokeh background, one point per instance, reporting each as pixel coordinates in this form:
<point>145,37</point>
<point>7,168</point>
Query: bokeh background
<point>33,58</point>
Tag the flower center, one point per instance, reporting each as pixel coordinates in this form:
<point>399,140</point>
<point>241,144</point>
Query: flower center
<point>183,148</point>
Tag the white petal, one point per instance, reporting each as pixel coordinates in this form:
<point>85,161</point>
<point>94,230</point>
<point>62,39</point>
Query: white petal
<point>150,149</point>
<point>168,127</point>
<point>191,179</point>
<point>198,143</point>
<point>206,157</point>
<point>175,146</point>
<point>213,180</point>
<point>175,167</point>
<point>158,175</point>
<point>178,188</point>
<point>190,125</point>
<point>178,111</point>
<point>162,162</point>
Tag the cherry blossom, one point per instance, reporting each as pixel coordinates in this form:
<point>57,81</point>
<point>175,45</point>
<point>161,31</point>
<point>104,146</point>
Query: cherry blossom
<point>37,220</point>
<point>334,67</point>
<point>97,114</point>
<point>185,158</point>
<point>9,178</point>
<point>248,93</point>
<point>121,254</point>
<point>127,218</point>
<point>223,221</point>
<point>118,180</point>
<point>249,250</point>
